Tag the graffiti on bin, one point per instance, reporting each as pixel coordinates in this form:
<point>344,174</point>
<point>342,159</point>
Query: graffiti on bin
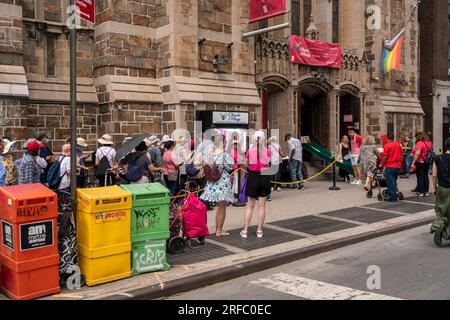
<point>146,218</point>
<point>39,210</point>
<point>150,258</point>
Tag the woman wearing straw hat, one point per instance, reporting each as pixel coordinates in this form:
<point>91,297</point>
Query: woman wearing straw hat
<point>105,175</point>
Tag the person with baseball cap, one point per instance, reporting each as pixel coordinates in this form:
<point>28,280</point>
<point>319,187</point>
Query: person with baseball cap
<point>27,167</point>
<point>46,153</point>
<point>3,173</point>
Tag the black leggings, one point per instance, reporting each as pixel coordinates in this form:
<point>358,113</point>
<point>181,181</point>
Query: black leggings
<point>423,181</point>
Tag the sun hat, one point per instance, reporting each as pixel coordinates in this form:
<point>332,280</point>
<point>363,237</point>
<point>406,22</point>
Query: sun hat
<point>105,139</point>
<point>153,139</point>
<point>34,145</point>
<point>166,138</point>
<point>65,150</point>
<point>81,142</point>
<point>259,134</point>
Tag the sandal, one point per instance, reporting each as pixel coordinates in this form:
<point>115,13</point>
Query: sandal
<point>222,233</point>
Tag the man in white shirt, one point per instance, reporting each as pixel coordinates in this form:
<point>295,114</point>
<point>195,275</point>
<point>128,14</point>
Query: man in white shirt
<point>295,160</point>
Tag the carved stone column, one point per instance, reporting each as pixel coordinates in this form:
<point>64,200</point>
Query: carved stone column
<point>333,98</point>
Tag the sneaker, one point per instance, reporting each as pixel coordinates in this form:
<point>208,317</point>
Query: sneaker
<point>259,234</point>
<point>426,194</point>
<point>301,188</point>
<point>269,198</point>
<point>358,183</point>
<point>244,234</point>
<point>418,195</point>
<point>353,182</point>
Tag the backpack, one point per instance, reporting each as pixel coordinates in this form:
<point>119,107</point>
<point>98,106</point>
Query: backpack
<point>133,172</point>
<point>53,177</point>
<point>430,156</point>
<point>191,170</point>
<point>212,172</point>
<point>103,165</point>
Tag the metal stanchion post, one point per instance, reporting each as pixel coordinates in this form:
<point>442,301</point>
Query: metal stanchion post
<point>334,187</point>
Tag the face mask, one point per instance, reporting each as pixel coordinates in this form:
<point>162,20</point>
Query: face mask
<point>47,141</point>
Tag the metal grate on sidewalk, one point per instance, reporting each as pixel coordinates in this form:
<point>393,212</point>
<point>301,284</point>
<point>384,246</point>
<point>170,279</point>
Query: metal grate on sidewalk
<point>362,215</point>
<point>401,206</point>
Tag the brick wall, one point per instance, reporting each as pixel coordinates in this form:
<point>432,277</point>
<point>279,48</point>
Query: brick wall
<point>11,44</point>
<point>215,15</point>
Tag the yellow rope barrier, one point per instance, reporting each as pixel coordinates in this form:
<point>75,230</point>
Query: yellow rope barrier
<point>278,183</point>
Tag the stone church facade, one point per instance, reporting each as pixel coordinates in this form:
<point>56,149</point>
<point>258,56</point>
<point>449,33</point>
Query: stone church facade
<point>157,65</point>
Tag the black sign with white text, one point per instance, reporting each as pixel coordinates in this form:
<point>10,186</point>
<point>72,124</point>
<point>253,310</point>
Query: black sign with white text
<point>36,235</point>
<point>7,235</point>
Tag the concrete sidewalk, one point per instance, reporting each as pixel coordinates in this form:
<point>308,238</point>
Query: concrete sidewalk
<point>298,224</point>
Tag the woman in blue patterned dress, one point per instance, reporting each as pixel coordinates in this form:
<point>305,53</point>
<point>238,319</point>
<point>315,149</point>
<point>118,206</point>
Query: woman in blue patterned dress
<point>219,192</point>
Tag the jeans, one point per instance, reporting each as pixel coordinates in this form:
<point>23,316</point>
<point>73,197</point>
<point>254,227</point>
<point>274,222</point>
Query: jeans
<point>423,181</point>
<point>171,185</point>
<point>295,168</point>
<point>391,176</point>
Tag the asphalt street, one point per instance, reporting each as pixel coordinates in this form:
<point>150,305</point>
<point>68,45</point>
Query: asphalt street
<point>405,265</point>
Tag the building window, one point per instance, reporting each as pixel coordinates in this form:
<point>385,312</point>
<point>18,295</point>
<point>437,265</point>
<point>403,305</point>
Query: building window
<point>50,56</point>
<point>307,12</point>
<point>295,17</point>
<point>335,21</point>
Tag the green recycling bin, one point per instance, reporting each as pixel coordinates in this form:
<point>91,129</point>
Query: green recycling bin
<point>149,256</point>
<point>149,212</point>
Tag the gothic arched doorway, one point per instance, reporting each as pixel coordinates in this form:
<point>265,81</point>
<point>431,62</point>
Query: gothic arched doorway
<point>313,110</point>
<point>350,109</point>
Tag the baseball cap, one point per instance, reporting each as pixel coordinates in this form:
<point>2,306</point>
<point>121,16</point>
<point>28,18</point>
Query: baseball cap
<point>34,145</point>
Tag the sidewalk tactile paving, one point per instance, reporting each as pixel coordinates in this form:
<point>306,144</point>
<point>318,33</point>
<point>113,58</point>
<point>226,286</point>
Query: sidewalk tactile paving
<point>400,206</point>
<point>271,238</point>
<point>361,215</point>
<point>429,200</point>
<point>190,256</point>
<point>314,225</point>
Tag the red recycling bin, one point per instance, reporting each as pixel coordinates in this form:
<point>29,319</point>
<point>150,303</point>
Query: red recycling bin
<point>29,248</point>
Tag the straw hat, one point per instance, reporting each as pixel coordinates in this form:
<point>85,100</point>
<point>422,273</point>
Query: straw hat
<point>105,139</point>
<point>81,142</point>
<point>66,150</point>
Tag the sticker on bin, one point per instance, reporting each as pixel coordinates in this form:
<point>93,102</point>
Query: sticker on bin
<point>8,236</point>
<point>36,235</point>
<point>112,216</point>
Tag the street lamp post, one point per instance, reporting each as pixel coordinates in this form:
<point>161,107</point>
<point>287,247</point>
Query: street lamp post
<point>73,107</point>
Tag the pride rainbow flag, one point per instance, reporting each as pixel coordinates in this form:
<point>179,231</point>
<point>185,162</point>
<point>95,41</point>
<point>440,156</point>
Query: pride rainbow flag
<point>390,59</point>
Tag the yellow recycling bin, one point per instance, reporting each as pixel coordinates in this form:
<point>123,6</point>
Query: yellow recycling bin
<point>103,234</point>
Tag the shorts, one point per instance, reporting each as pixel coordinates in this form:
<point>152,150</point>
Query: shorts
<point>258,185</point>
<point>354,159</point>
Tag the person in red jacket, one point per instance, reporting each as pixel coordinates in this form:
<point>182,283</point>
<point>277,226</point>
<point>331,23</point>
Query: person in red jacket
<point>391,160</point>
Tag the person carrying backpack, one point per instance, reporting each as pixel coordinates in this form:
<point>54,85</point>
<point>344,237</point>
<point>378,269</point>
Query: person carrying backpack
<point>441,186</point>
<point>104,161</point>
<point>139,167</point>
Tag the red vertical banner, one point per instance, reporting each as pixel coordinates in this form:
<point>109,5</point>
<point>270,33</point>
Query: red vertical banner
<point>86,10</point>
<point>264,108</point>
<point>264,9</point>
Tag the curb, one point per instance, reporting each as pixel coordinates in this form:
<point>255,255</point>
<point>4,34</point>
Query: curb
<point>231,272</point>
